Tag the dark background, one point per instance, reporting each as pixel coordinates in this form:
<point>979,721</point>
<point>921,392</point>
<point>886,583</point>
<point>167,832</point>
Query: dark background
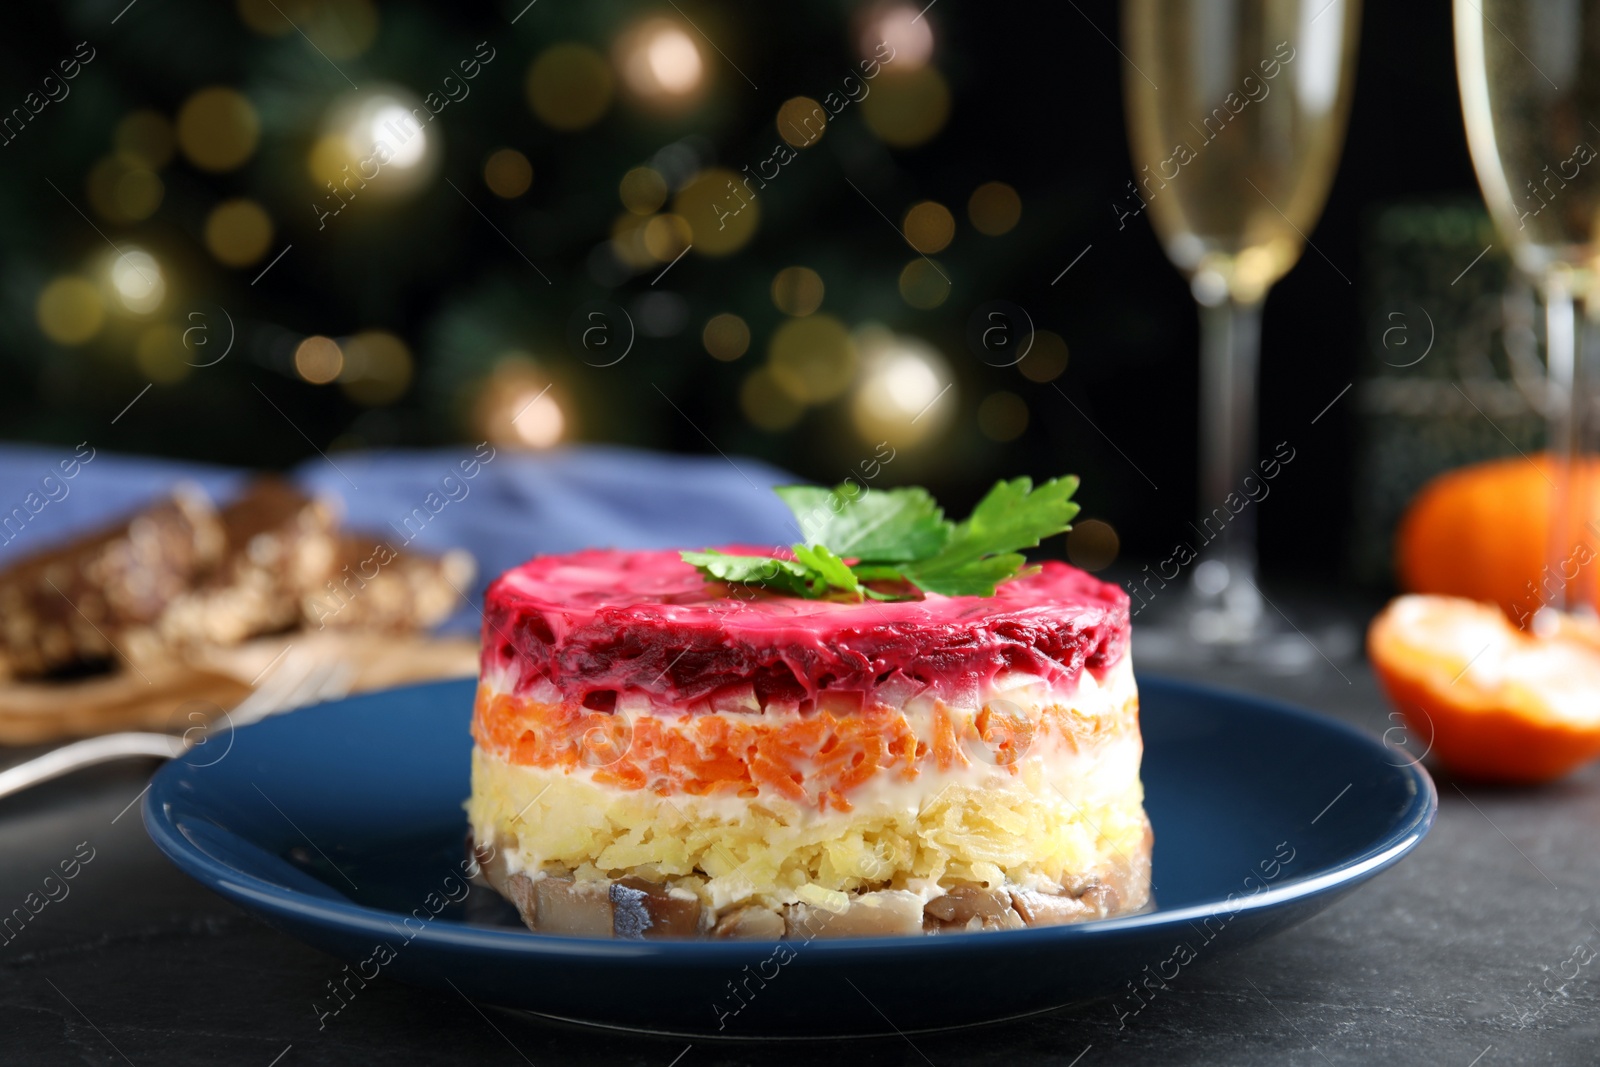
<point>1036,94</point>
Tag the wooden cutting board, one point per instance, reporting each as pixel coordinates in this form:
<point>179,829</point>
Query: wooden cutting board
<point>165,696</point>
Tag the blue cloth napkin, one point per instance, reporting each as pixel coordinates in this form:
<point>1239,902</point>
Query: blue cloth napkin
<point>503,506</point>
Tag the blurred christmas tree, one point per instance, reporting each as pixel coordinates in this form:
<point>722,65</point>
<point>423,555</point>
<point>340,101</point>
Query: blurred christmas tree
<point>248,230</point>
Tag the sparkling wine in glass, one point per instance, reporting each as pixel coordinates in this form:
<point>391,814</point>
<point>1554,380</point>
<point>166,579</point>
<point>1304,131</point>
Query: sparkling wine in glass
<point>1530,93</point>
<point>1237,112</point>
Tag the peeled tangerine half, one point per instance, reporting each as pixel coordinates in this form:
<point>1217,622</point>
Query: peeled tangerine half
<point>1491,702</point>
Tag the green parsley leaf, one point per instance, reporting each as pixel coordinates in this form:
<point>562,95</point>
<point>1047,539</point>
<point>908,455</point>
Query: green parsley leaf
<point>977,577</point>
<point>781,575</point>
<point>830,567</point>
<point>900,539</point>
<point>869,525</point>
<point>1014,515</point>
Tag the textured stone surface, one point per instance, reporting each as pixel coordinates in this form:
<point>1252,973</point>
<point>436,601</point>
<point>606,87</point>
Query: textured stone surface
<point>1438,961</point>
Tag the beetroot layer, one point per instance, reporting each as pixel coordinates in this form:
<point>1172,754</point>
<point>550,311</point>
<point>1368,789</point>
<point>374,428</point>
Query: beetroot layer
<point>600,623</point>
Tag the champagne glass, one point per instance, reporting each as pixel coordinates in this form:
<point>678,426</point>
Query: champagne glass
<point>1530,93</point>
<point>1236,112</point>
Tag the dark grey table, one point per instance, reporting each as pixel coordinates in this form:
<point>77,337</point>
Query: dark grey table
<point>1477,951</point>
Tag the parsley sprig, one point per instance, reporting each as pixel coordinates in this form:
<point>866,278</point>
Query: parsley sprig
<point>889,544</point>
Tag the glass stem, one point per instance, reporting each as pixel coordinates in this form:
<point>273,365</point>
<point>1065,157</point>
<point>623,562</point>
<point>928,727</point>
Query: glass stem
<point>1230,349</point>
<point>1566,583</point>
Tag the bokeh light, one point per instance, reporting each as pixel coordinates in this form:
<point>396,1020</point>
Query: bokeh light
<point>802,121</point>
<point>726,336</point>
<point>569,86</point>
<point>393,125</point>
<point>905,395</point>
<point>994,208</point>
<point>766,403</point>
<point>238,232</point>
<point>1046,360</point>
<point>666,237</point>
<point>269,18</point>
<point>539,422</point>
<point>135,277</point>
<point>339,29</point>
<point>643,190</point>
<point>138,193</point>
<point>722,222</point>
<point>218,128</point>
<point>374,145</point>
<point>929,227</point>
<point>507,173</point>
<point>1003,416</point>
<point>122,189</point>
<point>924,284</point>
<point>160,355</point>
<point>813,358</point>
<point>147,137</point>
<point>660,62</point>
<point>907,108</point>
<point>377,368</point>
<point>902,27</point>
<point>797,291</point>
<point>517,406</point>
<point>627,241</point>
<point>318,359</point>
<point>69,310</point>
<point>1092,544</point>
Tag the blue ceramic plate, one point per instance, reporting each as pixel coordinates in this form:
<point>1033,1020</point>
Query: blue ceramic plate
<point>343,825</point>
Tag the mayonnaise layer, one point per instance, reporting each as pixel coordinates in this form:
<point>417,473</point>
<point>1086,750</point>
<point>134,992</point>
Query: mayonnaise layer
<point>1049,812</point>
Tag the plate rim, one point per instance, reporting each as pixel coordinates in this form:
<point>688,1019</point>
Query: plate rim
<point>251,891</point>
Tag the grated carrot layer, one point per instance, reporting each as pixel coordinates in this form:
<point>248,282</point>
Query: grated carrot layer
<point>816,760</point>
